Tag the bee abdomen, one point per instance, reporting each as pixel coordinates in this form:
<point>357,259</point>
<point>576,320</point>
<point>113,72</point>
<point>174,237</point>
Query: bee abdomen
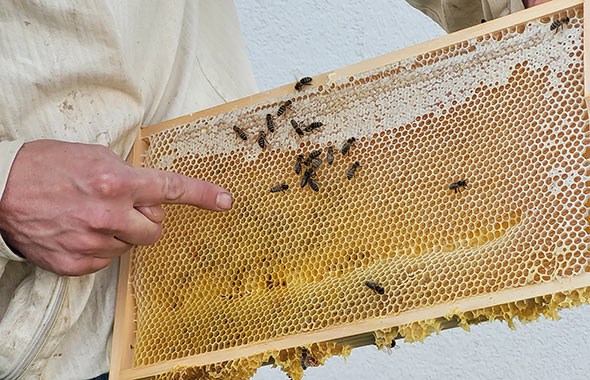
<point>557,24</point>
<point>270,123</point>
<point>298,164</point>
<point>315,153</point>
<point>240,132</point>
<point>262,139</point>
<point>330,155</point>
<point>315,163</point>
<point>283,107</point>
<point>282,187</point>
<point>352,170</point>
<point>302,82</point>
<point>314,125</point>
<point>296,128</point>
<point>313,184</point>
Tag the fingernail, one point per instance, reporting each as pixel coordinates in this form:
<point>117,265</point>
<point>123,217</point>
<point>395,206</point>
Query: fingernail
<point>224,201</point>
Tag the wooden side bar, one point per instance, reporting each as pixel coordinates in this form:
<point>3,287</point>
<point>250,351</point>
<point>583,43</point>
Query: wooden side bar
<point>586,57</point>
<point>123,342</point>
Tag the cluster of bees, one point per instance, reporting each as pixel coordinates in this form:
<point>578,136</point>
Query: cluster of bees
<point>313,160</point>
<point>308,165</point>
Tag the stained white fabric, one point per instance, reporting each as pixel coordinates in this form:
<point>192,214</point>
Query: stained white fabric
<point>93,72</point>
<point>453,15</point>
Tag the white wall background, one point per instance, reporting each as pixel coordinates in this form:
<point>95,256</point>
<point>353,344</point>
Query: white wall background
<point>290,39</point>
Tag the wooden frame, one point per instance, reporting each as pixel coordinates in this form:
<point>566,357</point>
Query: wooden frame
<point>123,337</point>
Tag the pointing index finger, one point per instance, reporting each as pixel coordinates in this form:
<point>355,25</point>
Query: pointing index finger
<point>154,187</point>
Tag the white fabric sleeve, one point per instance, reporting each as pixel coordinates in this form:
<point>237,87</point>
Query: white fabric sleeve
<point>453,15</point>
<point>8,151</point>
<point>497,8</point>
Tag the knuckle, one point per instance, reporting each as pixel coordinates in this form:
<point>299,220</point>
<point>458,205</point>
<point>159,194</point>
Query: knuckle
<point>107,184</point>
<point>173,187</point>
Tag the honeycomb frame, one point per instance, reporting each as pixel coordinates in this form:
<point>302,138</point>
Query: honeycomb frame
<point>124,341</point>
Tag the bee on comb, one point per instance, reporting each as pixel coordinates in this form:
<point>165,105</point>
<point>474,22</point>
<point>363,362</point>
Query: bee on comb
<point>283,107</point>
<point>456,186</point>
<point>308,178</point>
<point>313,126</point>
<point>305,81</point>
<point>330,155</point>
<point>375,287</point>
<point>297,128</point>
<point>298,163</point>
<point>281,187</point>
<point>347,144</point>
<point>270,123</point>
<point>559,24</point>
<point>350,172</point>
<point>262,139</point>
<point>307,360</point>
<point>240,132</point>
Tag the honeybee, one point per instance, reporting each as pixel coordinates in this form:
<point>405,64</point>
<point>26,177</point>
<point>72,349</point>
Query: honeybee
<point>283,107</point>
<point>315,153</point>
<point>314,125</point>
<point>270,123</point>
<point>240,133</point>
<point>281,187</point>
<point>315,163</point>
<point>310,157</point>
<point>296,128</point>
<point>347,145</point>
<point>302,82</point>
<point>308,177</point>
<point>313,184</point>
<point>330,155</point>
<point>375,287</point>
<point>350,172</point>
<point>456,186</point>
<point>298,163</point>
<point>262,139</point>
<point>559,24</point>
<point>307,360</point>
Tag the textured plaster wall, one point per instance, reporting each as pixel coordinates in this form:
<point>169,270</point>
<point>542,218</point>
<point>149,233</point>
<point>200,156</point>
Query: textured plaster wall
<point>288,40</point>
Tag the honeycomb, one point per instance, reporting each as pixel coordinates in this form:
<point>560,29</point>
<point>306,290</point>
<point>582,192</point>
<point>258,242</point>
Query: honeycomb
<point>504,111</point>
<point>524,311</point>
<point>288,359</point>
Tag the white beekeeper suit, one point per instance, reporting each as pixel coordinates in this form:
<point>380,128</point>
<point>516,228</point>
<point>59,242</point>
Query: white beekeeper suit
<point>93,72</point>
